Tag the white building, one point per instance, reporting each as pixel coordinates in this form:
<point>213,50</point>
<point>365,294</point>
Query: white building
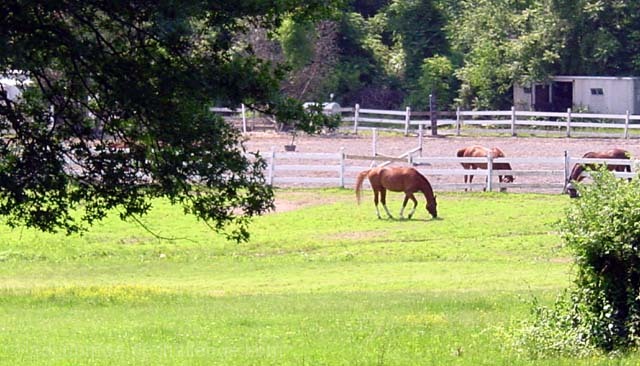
<point>596,94</point>
<point>10,86</point>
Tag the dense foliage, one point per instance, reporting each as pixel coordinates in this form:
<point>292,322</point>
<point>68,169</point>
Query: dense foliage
<point>115,109</point>
<point>602,311</point>
<point>491,44</point>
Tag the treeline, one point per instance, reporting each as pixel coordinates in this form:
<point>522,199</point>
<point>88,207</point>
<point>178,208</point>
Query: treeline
<point>469,53</point>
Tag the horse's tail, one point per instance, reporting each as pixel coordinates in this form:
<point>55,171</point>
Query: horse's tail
<point>359,181</point>
<point>460,152</point>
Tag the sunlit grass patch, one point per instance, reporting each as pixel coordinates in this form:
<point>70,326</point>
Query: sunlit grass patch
<point>98,295</point>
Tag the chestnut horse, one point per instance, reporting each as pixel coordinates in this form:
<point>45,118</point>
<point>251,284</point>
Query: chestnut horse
<point>576,172</point>
<point>482,152</point>
<point>397,179</point>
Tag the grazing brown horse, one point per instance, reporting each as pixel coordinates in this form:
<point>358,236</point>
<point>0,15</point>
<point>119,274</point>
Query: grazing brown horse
<point>397,179</point>
<point>576,172</point>
<point>482,152</point>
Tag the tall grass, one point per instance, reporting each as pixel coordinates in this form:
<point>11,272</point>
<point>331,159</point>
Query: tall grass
<point>327,283</point>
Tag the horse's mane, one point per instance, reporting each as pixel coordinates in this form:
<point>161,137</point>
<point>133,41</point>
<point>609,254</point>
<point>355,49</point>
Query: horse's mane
<point>498,153</point>
<point>576,172</point>
<point>426,182</point>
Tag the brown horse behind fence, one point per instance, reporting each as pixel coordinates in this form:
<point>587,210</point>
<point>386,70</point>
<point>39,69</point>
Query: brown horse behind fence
<point>482,152</point>
<point>397,179</point>
<point>576,172</point>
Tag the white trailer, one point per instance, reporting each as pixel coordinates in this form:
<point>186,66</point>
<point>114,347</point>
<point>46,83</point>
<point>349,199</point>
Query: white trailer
<point>596,94</point>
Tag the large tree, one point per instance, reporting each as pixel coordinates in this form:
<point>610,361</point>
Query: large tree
<point>115,109</point>
<point>601,37</point>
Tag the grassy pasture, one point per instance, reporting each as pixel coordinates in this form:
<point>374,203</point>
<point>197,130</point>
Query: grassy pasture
<point>324,284</point>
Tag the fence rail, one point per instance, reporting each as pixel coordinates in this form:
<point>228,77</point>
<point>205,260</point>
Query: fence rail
<point>510,121</point>
<point>339,169</point>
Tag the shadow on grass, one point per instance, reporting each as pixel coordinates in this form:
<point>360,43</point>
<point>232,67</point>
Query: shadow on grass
<point>413,219</point>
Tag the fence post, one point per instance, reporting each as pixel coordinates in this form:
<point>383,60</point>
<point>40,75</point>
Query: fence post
<point>407,120</point>
<point>566,171</point>
<point>626,125</point>
<point>244,119</point>
<point>356,114</point>
<point>420,140</point>
<point>374,141</point>
<point>458,121</point>
<point>272,163</point>
<point>513,120</point>
<point>489,171</point>
<point>568,122</point>
<point>433,114</point>
<point>342,167</point>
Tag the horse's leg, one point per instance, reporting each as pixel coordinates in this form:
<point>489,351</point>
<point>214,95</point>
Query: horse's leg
<point>471,178</point>
<point>627,168</point>
<point>375,200</point>
<point>404,204</point>
<point>383,199</point>
<point>407,197</point>
<point>415,204</point>
<point>466,177</point>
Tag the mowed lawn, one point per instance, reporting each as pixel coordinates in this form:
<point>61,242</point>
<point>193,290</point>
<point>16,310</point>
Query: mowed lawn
<point>326,283</point>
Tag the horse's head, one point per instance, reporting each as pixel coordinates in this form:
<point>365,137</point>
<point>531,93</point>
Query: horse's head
<point>508,178</point>
<point>504,178</point>
<point>432,207</point>
<point>571,190</point>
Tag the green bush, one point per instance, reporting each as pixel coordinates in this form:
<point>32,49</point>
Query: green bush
<point>602,229</point>
<point>602,311</point>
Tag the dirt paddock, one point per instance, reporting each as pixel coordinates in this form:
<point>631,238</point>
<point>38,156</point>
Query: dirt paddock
<point>440,146</point>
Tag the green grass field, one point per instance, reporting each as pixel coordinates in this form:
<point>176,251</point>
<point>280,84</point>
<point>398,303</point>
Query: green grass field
<point>325,284</point>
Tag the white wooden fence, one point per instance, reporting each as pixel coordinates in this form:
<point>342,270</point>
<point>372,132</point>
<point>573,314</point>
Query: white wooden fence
<point>533,174</point>
<point>512,121</point>
<point>477,122</point>
<point>249,119</point>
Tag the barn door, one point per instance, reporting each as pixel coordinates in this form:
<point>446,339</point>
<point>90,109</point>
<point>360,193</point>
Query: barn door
<point>542,98</point>
<point>562,96</point>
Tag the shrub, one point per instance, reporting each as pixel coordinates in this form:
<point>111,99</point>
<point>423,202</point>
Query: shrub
<point>602,229</point>
<point>602,311</point>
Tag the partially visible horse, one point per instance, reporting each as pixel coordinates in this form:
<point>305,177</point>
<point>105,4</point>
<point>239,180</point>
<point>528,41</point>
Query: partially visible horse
<point>397,179</point>
<point>576,172</point>
<point>482,152</point>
